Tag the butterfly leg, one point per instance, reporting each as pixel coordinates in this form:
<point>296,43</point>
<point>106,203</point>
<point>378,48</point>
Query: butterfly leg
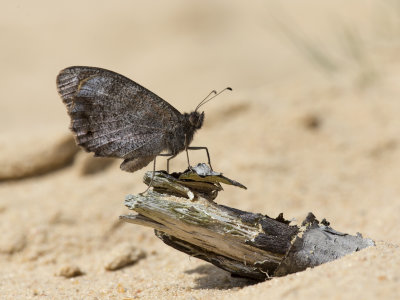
<point>171,156</point>
<point>152,176</point>
<point>154,168</point>
<point>187,155</point>
<point>199,148</point>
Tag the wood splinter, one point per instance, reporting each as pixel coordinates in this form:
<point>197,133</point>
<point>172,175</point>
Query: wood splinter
<point>181,209</point>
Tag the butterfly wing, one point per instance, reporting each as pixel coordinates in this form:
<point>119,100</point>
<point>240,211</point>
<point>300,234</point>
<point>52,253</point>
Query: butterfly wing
<point>114,116</point>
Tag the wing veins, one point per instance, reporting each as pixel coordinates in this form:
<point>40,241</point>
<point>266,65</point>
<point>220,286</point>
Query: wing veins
<point>119,129</point>
<point>141,146</point>
<point>115,131</point>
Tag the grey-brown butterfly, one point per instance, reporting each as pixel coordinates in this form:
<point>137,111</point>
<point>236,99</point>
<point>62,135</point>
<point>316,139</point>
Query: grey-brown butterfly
<point>114,116</point>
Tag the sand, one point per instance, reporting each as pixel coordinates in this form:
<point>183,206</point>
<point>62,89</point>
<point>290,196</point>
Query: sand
<point>312,125</point>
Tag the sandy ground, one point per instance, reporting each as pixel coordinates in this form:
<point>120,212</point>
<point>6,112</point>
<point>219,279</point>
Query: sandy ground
<point>312,125</point>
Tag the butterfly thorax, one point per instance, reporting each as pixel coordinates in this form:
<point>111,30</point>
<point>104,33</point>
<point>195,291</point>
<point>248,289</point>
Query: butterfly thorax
<point>184,132</point>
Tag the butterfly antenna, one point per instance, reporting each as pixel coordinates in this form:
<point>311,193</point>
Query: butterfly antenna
<point>206,99</point>
<point>202,101</point>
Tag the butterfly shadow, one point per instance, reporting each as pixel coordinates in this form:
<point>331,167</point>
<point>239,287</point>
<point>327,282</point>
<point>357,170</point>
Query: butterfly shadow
<point>216,278</point>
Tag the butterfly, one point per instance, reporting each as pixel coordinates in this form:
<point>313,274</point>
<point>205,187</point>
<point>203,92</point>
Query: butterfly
<point>113,116</point>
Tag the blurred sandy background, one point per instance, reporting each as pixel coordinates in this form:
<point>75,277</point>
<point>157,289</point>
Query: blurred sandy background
<point>312,125</point>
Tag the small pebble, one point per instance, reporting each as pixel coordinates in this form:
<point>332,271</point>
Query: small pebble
<point>69,271</point>
<point>12,241</point>
<point>124,255</point>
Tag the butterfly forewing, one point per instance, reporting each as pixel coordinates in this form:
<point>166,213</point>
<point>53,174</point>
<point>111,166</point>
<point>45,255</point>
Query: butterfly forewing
<point>112,115</point>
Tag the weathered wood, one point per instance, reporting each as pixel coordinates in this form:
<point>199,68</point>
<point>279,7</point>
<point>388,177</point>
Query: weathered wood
<point>250,245</point>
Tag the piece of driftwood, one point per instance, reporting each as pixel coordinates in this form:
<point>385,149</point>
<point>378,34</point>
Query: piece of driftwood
<point>181,209</point>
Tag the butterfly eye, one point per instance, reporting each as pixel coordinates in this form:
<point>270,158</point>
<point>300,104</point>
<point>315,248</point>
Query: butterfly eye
<point>193,119</point>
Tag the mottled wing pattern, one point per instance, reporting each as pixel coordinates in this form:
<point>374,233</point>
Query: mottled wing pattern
<point>113,116</point>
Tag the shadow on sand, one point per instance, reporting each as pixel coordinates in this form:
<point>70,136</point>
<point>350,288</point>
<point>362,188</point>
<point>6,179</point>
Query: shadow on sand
<point>215,278</point>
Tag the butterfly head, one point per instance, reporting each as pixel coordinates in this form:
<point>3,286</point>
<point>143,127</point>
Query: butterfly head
<point>196,119</point>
